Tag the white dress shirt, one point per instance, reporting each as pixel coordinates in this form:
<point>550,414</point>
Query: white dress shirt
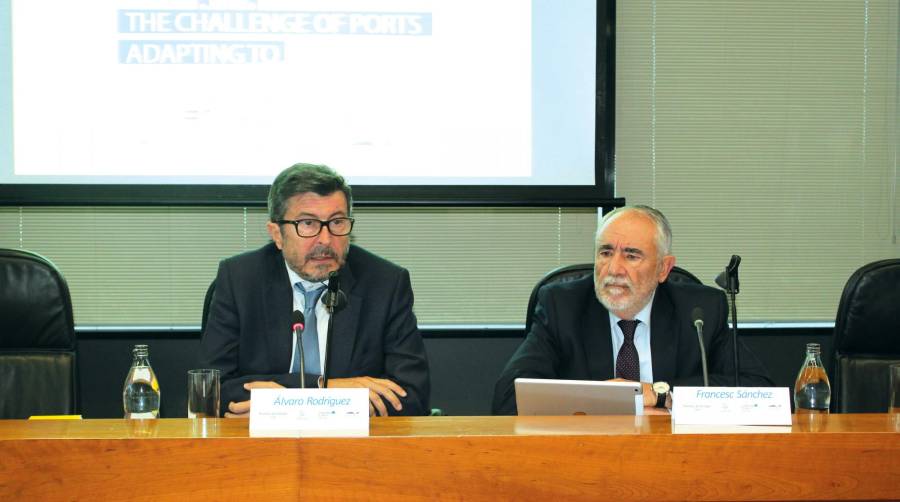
<point>641,339</point>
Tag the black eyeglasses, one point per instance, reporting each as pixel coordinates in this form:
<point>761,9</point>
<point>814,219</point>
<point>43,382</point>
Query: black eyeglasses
<point>311,227</point>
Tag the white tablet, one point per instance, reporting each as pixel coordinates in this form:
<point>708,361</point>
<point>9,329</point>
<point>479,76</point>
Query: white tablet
<point>538,396</point>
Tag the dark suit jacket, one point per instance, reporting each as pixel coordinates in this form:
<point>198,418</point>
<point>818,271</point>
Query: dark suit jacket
<point>248,334</point>
<point>570,339</point>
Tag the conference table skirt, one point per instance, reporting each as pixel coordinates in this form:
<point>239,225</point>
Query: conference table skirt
<point>820,457</point>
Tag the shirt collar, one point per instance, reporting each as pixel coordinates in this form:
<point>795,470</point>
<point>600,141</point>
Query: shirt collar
<point>643,315</point>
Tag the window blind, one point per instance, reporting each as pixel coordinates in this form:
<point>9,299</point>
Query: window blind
<point>150,266</point>
<point>766,129</point>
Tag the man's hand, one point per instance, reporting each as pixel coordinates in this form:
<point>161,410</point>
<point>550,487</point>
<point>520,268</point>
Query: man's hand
<point>241,409</point>
<point>379,389</point>
<point>646,388</point>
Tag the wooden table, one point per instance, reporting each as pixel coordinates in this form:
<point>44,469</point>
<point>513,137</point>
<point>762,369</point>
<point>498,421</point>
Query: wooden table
<point>513,458</point>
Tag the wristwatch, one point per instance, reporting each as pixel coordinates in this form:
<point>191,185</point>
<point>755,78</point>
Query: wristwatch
<point>662,393</point>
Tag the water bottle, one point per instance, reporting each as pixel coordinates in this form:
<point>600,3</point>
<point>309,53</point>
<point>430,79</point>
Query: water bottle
<point>812,392</point>
<point>140,397</point>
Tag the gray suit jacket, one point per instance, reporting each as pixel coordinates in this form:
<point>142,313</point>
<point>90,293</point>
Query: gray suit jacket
<point>570,339</point>
<point>248,335</point>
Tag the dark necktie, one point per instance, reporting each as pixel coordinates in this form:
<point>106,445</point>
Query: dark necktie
<point>310,332</point>
<point>627,363</point>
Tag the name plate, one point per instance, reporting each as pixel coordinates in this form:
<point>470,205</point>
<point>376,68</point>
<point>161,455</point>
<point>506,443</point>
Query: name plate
<point>309,412</point>
<point>731,406</point>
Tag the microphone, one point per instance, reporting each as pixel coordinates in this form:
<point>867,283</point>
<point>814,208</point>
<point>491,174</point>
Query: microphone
<point>298,323</point>
<point>697,316</point>
<point>728,278</point>
<point>334,299</point>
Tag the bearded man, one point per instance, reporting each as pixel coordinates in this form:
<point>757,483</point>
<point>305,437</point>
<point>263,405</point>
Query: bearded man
<point>376,340</point>
<point>627,322</point>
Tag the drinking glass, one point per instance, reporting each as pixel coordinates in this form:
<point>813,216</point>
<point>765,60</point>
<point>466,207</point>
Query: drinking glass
<point>203,393</point>
<point>894,403</point>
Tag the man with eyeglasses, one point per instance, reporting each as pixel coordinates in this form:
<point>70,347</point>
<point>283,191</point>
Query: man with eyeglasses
<point>376,340</point>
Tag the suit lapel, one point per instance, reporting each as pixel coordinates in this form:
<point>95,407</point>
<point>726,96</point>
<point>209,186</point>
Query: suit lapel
<point>346,321</point>
<point>279,303</point>
<point>663,335</point>
<point>598,340</point>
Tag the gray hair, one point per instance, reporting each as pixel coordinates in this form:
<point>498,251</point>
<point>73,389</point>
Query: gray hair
<point>303,178</point>
<point>663,229</point>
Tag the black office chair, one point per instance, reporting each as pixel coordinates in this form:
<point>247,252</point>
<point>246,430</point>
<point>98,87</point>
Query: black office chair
<point>679,274</point>
<point>573,272</point>
<point>38,375</point>
<point>867,338</point>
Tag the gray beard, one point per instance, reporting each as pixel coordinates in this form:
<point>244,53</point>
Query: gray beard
<point>322,272</point>
<point>628,306</point>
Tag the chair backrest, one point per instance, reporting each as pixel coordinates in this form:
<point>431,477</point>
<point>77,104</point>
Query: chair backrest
<point>573,272</point>
<point>207,300</point>
<point>681,275</point>
<point>866,338</point>
<point>38,375</point>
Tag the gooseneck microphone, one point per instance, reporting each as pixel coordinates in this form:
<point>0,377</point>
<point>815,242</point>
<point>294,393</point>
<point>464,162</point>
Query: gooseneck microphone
<point>297,321</point>
<point>297,325</point>
<point>697,316</point>
<point>728,280</point>
<point>334,300</point>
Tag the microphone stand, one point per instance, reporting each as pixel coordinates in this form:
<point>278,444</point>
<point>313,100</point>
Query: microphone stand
<point>734,336</point>
<point>328,346</point>
<point>298,326</point>
<point>299,335</point>
<point>728,280</point>
<point>698,326</point>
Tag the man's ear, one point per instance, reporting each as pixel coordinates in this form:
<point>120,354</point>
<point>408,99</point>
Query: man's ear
<point>274,230</point>
<point>668,262</point>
